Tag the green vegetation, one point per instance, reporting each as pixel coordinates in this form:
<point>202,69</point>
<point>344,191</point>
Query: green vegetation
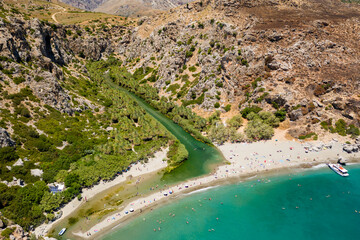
<point>341,127</point>
<point>227,107</point>
<point>309,135</point>
<point>248,110</point>
<point>235,122</point>
<point>176,155</point>
<point>188,120</point>
<point>260,126</point>
<point>91,152</point>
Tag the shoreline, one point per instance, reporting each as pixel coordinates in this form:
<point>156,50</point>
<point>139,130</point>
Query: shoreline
<point>155,164</point>
<point>244,161</point>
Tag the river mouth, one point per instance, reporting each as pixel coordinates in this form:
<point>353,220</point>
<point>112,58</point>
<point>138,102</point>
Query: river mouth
<point>203,159</point>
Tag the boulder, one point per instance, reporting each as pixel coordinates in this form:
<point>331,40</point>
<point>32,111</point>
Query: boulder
<point>350,148</point>
<point>5,140</point>
<point>295,115</point>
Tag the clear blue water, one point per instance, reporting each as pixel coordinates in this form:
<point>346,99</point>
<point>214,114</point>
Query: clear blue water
<point>316,204</point>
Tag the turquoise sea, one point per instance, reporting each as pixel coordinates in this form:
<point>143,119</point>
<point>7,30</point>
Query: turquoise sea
<point>315,204</point>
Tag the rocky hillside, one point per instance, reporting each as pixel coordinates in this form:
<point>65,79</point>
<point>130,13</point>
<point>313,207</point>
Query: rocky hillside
<point>137,8</point>
<point>62,121</point>
<point>288,55</point>
<point>84,4</point>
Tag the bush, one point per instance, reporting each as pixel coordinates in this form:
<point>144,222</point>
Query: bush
<point>7,232</point>
<point>247,110</point>
<point>38,78</point>
<point>188,54</point>
<point>7,154</point>
<point>281,115</point>
<point>72,220</point>
<point>340,127</point>
<point>235,122</point>
<point>227,107</point>
<point>19,80</point>
<point>353,131</point>
<point>309,135</point>
<point>324,125</point>
<point>192,69</point>
<point>269,118</point>
<point>258,130</point>
<point>217,105</point>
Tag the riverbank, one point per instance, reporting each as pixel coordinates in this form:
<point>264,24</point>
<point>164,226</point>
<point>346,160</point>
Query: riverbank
<point>245,160</point>
<point>154,164</point>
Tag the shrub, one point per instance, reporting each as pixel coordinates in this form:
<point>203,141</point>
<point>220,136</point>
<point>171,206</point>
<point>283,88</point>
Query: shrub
<point>353,131</point>
<point>324,125</point>
<point>340,127</point>
<point>244,62</point>
<point>217,105</point>
<point>72,221</point>
<point>192,69</point>
<point>281,115</point>
<point>227,107</point>
<point>309,135</point>
<point>19,80</point>
<point>7,154</point>
<point>219,83</point>
<point>108,103</point>
<point>172,88</point>
<point>235,122</point>
<point>188,54</point>
<point>7,232</point>
<point>258,130</point>
<point>248,110</point>
<point>269,118</point>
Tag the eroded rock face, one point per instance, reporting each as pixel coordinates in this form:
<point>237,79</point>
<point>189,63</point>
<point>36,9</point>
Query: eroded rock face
<point>45,49</point>
<point>5,140</point>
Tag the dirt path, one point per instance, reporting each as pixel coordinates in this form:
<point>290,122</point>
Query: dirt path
<point>54,15</point>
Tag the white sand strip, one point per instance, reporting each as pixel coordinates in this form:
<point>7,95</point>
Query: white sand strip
<point>154,164</point>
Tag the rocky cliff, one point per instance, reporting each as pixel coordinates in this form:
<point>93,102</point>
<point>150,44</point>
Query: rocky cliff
<point>36,51</point>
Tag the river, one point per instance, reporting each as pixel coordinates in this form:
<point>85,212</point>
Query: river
<point>202,160</point>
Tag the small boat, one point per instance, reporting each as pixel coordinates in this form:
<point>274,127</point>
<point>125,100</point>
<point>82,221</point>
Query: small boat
<point>62,231</point>
<point>338,169</point>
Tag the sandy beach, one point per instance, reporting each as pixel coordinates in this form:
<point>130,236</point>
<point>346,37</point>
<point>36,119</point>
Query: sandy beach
<point>244,159</point>
<point>154,164</point>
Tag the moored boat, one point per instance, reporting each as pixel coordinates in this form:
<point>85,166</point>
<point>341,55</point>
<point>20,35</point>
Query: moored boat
<point>338,169</point>
<point>62,231</point>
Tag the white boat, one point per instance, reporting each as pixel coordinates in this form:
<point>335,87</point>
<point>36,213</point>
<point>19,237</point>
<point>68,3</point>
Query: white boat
<point>338,169</point>
<point>62,231</point>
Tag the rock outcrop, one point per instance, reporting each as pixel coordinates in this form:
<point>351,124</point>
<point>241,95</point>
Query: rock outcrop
<point>5,139</point>
<point>44,49</point>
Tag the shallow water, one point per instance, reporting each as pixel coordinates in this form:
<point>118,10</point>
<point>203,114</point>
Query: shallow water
<point>316,204</point>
